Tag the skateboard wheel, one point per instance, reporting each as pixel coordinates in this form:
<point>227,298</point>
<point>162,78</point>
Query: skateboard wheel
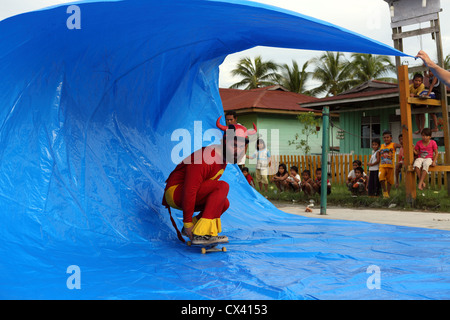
<point>203,250</point>
<point>189,243</point>
<point>224,249</point>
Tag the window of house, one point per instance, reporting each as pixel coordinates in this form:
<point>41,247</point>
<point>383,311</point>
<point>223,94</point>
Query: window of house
<point>370,129</point>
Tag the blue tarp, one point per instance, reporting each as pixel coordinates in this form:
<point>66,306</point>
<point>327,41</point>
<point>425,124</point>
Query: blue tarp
<point>86,120</point>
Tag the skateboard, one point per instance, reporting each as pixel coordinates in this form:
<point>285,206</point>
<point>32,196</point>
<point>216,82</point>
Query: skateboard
<point>209,247</point>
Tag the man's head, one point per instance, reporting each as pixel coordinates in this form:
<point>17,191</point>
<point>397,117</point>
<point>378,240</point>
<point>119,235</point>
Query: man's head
<point>235,141</point>
<point>230,118</point>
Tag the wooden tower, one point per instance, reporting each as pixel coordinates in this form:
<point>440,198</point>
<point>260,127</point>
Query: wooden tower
<point>405,13</point>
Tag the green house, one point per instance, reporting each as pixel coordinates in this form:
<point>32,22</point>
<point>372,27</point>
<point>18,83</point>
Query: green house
<point>274,111</point>
<point>364,113</point>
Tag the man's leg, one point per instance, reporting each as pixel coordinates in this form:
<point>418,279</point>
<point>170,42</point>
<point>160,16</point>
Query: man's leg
<point>212,198</point>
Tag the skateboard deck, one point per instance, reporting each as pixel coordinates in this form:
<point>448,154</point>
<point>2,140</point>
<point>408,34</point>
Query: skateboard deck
<point>209,247</point>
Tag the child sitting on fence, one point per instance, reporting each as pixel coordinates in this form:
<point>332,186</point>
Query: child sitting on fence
<point>427,153</point>
<point>306,185</point>
<point>317,184</point>
<point>293,181</point>
<point>358,185</point>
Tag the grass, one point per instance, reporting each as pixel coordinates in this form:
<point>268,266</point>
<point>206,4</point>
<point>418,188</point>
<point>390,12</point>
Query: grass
<point>426,200</point>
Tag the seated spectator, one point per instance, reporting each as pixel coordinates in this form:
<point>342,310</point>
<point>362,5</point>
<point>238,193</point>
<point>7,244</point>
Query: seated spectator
<point>358,185</point>
<point>306,183</point>
<point>248,176</point>
<point>280,177</point>
<point>317,184</point>
<point>351,174</point>
<point>293,181</point>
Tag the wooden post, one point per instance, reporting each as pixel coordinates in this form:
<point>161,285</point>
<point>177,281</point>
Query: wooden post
<point>406,121</point>
<point>443,99</point>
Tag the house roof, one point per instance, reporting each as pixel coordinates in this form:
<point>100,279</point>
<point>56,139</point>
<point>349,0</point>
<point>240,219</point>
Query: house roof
<point>271,98</point>
<point>369,90</point>
<point>372,93</point>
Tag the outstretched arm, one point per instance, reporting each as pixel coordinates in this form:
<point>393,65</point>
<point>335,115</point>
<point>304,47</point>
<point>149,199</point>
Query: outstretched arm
<point>442,74</point>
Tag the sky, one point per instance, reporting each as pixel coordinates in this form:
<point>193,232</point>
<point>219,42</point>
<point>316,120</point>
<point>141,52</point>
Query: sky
<point>370,18</point>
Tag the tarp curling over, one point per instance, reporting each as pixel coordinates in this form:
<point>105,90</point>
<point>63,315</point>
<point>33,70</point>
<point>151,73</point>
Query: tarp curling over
<point>86,118</point>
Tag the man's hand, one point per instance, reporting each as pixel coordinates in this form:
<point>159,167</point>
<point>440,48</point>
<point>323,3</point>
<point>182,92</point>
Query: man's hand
<point>425,58</point>
<point>189,232</point>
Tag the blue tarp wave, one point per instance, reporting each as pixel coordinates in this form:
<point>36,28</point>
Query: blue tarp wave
<point>86,117</point>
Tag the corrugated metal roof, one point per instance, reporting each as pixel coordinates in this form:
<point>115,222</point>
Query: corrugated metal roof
<point>273,98</point>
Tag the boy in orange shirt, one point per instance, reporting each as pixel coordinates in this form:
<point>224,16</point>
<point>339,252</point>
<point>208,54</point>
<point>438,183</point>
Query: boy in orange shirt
<point>386,158</point>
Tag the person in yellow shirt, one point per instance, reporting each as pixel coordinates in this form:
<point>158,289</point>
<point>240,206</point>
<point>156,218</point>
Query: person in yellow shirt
<point>386,157</point>
<point>415,89</point>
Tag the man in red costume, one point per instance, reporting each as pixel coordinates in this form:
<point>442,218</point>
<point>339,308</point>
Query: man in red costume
<point>194,185</point>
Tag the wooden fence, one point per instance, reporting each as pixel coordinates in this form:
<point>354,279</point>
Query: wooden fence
<point>341,164</point>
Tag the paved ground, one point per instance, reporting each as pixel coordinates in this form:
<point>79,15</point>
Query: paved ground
<point>395,217</point>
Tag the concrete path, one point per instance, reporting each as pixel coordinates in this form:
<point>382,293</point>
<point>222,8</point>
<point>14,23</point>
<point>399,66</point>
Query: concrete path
<point>395,217</point>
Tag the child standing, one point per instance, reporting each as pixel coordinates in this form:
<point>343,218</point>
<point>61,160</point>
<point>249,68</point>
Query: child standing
<point>386,167</point>
<point>280,177</point>
<point>373,185</point>
<point>263,160</point>
<point>427,153</point>
<point>293,181</point>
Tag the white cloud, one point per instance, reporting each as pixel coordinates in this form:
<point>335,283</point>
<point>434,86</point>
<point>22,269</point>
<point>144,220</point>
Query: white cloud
<point>370,18</point>
<point>10,8</point>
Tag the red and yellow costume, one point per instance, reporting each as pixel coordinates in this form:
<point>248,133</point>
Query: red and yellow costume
<point>194,186</point>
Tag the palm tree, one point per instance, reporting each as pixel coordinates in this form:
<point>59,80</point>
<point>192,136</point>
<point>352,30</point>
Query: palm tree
<point>293,78</point>
<point>447,62</point>
<point>367,67</point>
<point>255,73</point>
<point>334,72</point>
